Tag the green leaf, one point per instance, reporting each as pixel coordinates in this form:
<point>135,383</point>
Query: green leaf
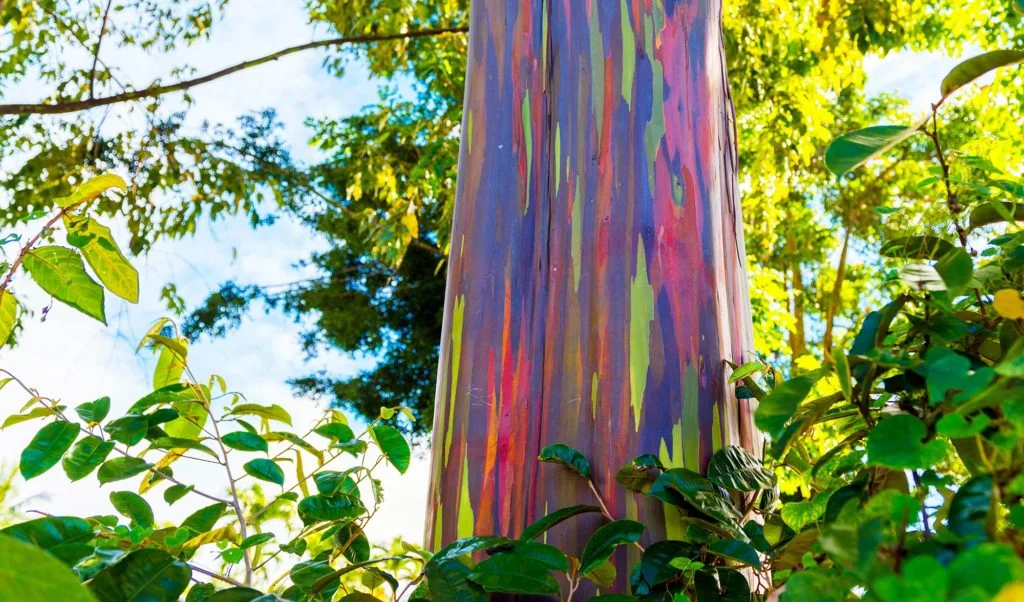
<point>104,257</point>
<point>94,411</point>
<point>698,492</point>
<point>169,394</point>
<point>120,469</point>
<point>35,413</point>
<point>563,454</point>
<point>271,412</point>
<point>200,592</point>
<point>916,247</point>
<point>147,575</point>
<point>128,429</point>
<point>448,581</point>
<point>176,492</point>
<point>853,149</point>
<point>843,374</point>
<point>338,507</point>
<point>61,273</point>
<point>971,511</point>
<point>8,315</point>
<point>731,586</point>
<point>65,537</point>
<point>335,431</point>
<point>603,542</point>
<point>735,468</point>
<point>513,573</point>
<point>237,594</point>
<point>47,448</point>
<point>734,549</point>
<point>205,518</point>
<point>179,443</point>
<point>393,445</point>
<point>245,441</point>
<point>974,67</point>
<point>898,442</point>
<point>132,506</point>
<point>956,268</point>
<point>255,540</point>
<point>747,369</point>
<point>994,212</point>
<point>28,574</point>
<point>331,482</point>
<point>264,470</point>
<point>776,409</point>
<point>91,189</point>
<point>87,454</point>
<point>987,567</point>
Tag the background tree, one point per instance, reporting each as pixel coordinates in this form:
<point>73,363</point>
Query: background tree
<point>386,178</point>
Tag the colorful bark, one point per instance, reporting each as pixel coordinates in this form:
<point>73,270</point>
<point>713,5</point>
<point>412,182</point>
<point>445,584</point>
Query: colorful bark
<point>596,281</point>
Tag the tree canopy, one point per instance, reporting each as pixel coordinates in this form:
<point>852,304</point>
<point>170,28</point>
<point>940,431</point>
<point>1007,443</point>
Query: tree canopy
<point>381,188</point>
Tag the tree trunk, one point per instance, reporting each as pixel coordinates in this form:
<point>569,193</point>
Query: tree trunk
<point>596,282</point>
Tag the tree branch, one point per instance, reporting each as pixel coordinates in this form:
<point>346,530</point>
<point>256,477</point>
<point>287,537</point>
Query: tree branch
<point>154,91</point>
<point>96,50</point>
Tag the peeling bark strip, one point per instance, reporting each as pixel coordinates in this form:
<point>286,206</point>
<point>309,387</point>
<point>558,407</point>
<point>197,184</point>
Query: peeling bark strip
<point>596,280</point>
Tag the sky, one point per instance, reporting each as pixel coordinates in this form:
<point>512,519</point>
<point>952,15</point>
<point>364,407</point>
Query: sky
<point>74,359</point>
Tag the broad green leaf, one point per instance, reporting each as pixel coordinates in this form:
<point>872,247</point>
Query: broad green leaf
<point>974,67</point>
<point>238,594</point>
<point>735,468</point>
<point>8,315</point>
<point>736,550</point>
<point>513,573</point>
<point>853,149</point>
<point>179,443</point>
<point>205,518</point>
<point>986,567</point>
<point>843,374</point>
<point>571,458</point>
<point>331,482</point>
<point>603,542</point>
<point>146,575</point>
<point>91,189</point>
<point>128,429</point>
<point>747,369</point>
<point>61,273</point>
<point>541,554</point>
<point>731,586</point>
<point>28,574</point>
<point>656,564</point>
<point>34,414</point>
<point>120,469</point>
<point>335,431</point>
<point>176,492</point>
<point>469,545</point>
<point>898,442</point>
<point>393,445</point>
<point>132,506</point>
<point>696,491</point>
<point>97,245</point>
<point>255,540</point>
<point>956,268</point>
<point>271,412</point>
<point>352,542</point>
<point>193,415</point>
<point>776,409</point>
<point>171,361</point>
<point>65,537</point>
<point>320,507</point>
<point>47,448</point>
<point>94,411</point>
<point>635,479</point>
<point>971,513</point>
<point>174,392</point>
<point>916,247</point>
<point>87,454</point>
<point>264,470</point>
<point>994,212</point>
<point>200,592</point>
<point>448,581</point>
<point>245,441</point>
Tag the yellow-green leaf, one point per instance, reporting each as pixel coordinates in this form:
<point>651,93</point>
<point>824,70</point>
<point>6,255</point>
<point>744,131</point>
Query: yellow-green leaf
<point>104,257</point>
<point>8,315</point>
<point>60,272</point>
<point>92,189</point>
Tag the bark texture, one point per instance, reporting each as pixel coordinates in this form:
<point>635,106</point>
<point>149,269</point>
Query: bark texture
<point>596,281</point>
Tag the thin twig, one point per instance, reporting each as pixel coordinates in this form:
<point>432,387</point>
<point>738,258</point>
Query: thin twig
<point>157,90</point>
<point>96,50</point>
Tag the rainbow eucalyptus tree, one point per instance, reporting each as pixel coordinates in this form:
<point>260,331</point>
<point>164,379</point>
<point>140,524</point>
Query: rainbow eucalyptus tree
<point>596,283</point>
